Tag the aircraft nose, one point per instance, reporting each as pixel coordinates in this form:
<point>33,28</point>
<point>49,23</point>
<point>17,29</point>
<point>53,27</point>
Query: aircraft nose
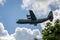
<point>17,22</point>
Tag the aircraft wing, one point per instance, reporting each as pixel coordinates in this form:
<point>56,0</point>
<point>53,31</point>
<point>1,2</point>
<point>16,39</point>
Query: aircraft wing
<point>32,15</point>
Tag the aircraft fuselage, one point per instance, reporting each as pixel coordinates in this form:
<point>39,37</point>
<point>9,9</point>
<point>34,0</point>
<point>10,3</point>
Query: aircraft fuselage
<point>29,21</point>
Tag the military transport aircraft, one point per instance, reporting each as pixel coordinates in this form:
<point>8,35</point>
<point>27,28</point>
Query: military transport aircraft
<point>31,19</point>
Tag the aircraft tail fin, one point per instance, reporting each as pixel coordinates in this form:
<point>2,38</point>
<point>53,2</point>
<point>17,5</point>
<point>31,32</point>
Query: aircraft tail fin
<point>50,16</point>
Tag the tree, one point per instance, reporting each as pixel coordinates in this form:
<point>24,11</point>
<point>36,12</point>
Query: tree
<point>52,32</point>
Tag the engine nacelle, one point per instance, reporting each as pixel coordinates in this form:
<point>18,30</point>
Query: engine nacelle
<point>28,16</point>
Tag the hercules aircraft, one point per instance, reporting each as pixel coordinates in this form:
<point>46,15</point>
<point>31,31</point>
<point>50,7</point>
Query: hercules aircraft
<point>31,19</point>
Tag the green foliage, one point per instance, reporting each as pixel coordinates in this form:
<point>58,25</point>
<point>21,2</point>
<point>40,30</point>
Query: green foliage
<point>52,32</point>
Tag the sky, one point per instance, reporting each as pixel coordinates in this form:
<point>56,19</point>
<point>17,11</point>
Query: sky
<point>13,10</point>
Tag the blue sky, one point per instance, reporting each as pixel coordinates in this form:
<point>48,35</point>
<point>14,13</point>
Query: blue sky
<point>10,12</point>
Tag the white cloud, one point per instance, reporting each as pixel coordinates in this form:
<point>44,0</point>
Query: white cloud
<point>3,32</point>
<point>41,7</point>
<point>2,2</point>
<point>38,6</point>
<point>20,34</point>
<point>26,34</point>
